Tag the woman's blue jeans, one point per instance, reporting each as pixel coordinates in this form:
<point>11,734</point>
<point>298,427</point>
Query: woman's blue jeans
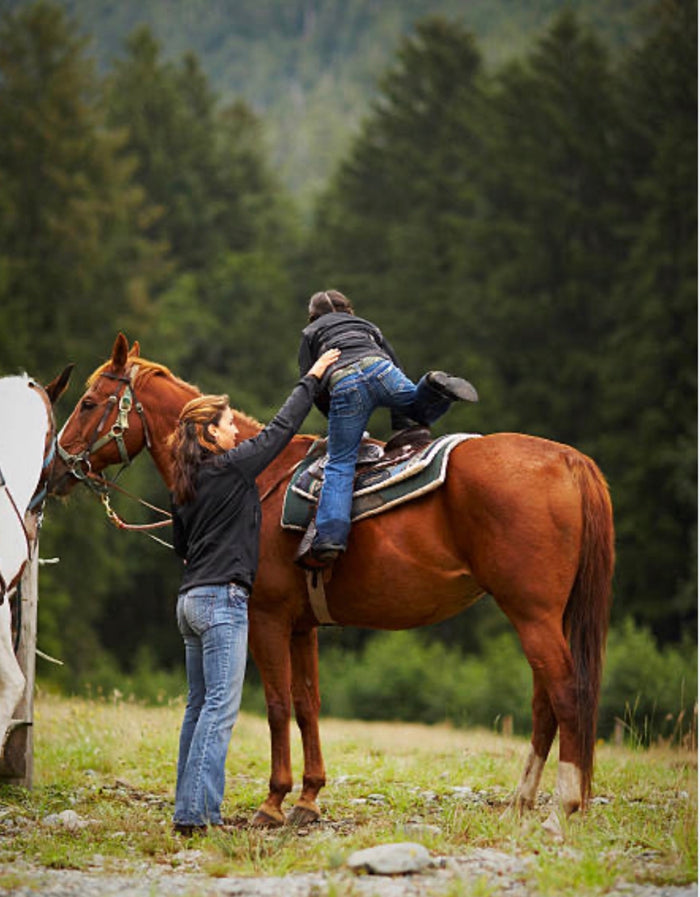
<point>353,399</point>
<point>213,621</point>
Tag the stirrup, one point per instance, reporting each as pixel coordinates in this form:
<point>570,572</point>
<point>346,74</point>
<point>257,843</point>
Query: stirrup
<point>319,558</point>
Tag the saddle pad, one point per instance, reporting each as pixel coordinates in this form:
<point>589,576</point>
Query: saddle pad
<point>375,490</point>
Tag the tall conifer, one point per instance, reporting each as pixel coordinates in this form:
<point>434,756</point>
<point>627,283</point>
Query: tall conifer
<point>72,256</point>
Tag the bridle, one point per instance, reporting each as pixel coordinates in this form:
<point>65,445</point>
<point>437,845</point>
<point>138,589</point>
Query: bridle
<point>36,505</point>
<point>125,399</point>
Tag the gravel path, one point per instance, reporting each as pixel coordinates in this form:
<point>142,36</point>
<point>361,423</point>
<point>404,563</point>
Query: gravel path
<point>501,871</point>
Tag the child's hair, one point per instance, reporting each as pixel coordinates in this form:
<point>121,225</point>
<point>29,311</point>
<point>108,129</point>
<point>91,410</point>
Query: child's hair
<point>327,301</point>
<point>191,442</point>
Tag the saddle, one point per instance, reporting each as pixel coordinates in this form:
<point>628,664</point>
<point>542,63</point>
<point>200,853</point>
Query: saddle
<point>374,461</point>
<point>409,465</point>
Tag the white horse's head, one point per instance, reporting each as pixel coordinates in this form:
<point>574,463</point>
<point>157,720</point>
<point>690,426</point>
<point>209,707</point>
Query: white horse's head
<point>27,447</point>
<point>25,423</point>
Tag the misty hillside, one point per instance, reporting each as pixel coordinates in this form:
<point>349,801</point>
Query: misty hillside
<point>310,67</point>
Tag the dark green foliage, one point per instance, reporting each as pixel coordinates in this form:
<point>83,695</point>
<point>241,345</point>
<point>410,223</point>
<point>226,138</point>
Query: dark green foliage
<point>311,67</point>
<point>73,254</point>
<point>551,257</point>
<point>136,204</point>
<point>531,226</point>
<point>389,228</point>
<point>652,691</point>
<point>650,422</point>
<point>402,676</point>
<point>228,232</point>
<point>545,248</point>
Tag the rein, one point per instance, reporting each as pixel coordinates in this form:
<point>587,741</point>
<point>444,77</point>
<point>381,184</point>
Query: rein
<point>99,486</point>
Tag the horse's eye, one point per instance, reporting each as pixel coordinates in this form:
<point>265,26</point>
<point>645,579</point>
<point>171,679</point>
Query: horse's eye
<point>87,405</point>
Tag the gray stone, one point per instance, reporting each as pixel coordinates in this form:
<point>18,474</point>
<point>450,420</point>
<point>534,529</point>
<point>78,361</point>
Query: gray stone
<point>421,830</point>
<point>68,819</point>
<point>390,859</point>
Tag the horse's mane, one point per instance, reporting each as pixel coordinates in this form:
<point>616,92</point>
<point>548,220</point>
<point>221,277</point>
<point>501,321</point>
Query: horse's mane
<point>147,369</point>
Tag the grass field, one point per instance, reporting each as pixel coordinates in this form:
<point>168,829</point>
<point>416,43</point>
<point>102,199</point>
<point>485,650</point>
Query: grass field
<point>113,763</point>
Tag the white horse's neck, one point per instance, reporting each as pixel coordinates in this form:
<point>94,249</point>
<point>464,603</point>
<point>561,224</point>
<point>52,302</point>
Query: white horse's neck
<point>24,424</point>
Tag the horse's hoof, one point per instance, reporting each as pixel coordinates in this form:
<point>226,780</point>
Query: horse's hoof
<point>302,814</point>
<point>553,827</point>
<point>511,811</point>
<point>521,803</point>
<point>263,819</point>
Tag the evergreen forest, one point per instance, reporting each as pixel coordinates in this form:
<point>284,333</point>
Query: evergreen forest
<point>526,218</point>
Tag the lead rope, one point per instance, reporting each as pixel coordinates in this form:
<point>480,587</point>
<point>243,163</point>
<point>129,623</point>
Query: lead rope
<point>100,487</point>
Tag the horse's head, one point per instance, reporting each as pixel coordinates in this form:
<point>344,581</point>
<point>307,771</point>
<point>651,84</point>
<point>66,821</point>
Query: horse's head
<point>27,453</point>
<point>114,418</point>
<point>106,426</point>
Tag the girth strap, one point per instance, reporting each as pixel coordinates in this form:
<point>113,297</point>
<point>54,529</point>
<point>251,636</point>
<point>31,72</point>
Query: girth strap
<point>317,596</point>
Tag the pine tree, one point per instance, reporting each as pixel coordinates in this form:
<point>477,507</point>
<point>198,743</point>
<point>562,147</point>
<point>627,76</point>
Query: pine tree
<point>651,372</point>
<point>224,317</point>
<point>545,248</point>
<point>387,230</point>
<point>72,254</point>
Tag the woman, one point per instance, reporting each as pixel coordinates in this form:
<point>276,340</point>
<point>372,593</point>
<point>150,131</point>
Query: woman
<point>216,527</point>
<point>366,376</point>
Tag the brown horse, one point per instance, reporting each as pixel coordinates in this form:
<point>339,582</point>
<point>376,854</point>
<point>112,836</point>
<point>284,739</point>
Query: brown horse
<point>525,519</point>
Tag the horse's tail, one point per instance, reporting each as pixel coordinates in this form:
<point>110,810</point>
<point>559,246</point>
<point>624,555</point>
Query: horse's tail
<point>587,613</point>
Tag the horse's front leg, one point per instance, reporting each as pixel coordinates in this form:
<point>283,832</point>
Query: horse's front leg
<point>12,680</point>
<point>269,640</point>
<point>307,707</point>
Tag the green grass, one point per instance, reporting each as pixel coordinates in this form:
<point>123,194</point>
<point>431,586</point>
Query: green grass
<point>113,763</point>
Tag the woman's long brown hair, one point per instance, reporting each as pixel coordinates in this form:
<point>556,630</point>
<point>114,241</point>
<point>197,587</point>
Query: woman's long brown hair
<point>191,443</point>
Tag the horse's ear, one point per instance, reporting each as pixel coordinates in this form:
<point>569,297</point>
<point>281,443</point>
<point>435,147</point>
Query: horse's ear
<point>56,388</point>
<point>135,350</point>
<point>120,352</point>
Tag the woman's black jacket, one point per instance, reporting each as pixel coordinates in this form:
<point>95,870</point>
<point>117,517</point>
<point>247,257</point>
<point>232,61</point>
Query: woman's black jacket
<point>218,532</point>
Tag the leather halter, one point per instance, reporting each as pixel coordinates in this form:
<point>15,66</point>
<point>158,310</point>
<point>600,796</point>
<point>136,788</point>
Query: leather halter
<point>124,398</point>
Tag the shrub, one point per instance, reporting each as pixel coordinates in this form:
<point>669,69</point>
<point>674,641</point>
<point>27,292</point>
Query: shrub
<point>402,676</point>
<point>652,691</point>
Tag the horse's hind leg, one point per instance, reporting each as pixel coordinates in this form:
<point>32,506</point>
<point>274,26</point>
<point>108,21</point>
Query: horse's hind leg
<point>307,707</point>
<point>544,727</point>
<point>550,658</point>
<point>11,676</point>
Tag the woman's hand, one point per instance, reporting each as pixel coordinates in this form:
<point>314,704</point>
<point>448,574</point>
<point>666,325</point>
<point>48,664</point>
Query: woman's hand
<point>324,361</point>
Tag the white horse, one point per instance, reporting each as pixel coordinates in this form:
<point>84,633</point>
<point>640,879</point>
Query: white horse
<point>27,445</point>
